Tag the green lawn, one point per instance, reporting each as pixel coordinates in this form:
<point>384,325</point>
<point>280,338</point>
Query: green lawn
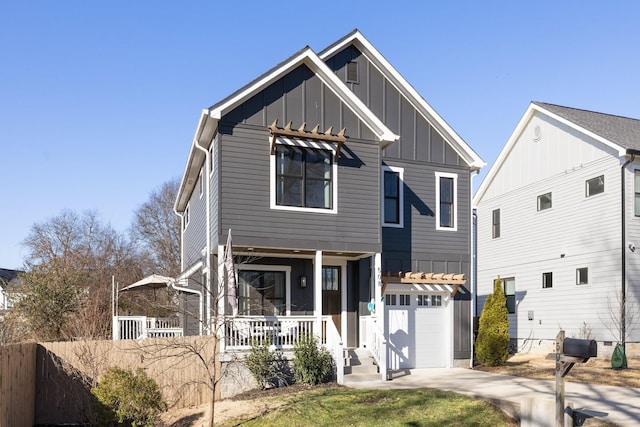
<point>355,407</point>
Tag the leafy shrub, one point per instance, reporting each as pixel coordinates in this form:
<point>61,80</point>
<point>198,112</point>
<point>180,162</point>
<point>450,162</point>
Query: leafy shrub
<point>261,363</point>
<point>125,396</point>
<point>311,364</point>
<point>492,344</point>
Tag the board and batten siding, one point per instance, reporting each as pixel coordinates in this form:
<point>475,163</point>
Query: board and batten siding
<point>576,232</point>
<point>245,188</point>
<point>419,242</point>
<point>419,139</point>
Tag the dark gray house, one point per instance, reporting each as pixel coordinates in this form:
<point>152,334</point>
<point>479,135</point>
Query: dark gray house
<point>348,200</point>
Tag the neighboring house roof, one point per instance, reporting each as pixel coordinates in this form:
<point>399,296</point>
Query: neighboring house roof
<point>356,39</point>
<point>619,133</point>
<point>8,276</point>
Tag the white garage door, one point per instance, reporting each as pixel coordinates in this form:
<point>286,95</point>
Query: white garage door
<point>416,331</point>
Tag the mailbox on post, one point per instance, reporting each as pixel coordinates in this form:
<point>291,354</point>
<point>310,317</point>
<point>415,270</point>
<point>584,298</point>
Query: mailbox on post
<point>583,349</point>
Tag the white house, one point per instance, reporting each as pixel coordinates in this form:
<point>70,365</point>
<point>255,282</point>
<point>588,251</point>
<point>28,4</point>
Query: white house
<point>558,220</point>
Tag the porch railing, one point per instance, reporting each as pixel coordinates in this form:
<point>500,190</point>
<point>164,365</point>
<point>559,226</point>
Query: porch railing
<point>241,333</point>
<point>140,327</point>
<point>377,345</point>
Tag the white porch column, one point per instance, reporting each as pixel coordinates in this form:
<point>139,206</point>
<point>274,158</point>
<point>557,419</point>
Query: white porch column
<point>380,318</point>
<point>317,292</point>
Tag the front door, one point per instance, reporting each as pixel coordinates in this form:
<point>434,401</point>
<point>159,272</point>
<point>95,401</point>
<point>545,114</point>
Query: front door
<point>331,295</point>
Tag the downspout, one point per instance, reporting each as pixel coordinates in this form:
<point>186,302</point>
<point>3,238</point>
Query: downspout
<point>207,268</point>
<point>623,302</point>
<point>474,265</point>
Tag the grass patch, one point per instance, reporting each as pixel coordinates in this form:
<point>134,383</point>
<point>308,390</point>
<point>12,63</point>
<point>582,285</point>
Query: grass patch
<point>357,407</point>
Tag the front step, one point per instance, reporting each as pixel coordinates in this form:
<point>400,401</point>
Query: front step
<point>360,366</point>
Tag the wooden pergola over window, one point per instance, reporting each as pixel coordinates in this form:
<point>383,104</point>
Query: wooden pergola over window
<point>425,278</point>
<point>302,133</point>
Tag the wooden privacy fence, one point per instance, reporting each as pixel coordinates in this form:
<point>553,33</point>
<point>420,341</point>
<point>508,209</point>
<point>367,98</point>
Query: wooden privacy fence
<point>17,384</point>
<point>49,383</point>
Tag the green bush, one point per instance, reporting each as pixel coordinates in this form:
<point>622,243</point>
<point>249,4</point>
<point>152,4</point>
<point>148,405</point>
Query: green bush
<point>127,396</point>
<point>311,364</point>
<point>492,344</point>
<point>261,363</point>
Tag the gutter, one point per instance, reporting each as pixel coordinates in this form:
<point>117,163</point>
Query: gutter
<point>623,315</point>
<point>207,266</point>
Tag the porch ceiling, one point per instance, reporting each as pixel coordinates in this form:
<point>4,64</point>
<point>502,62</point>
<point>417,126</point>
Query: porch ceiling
<point>257,250</point>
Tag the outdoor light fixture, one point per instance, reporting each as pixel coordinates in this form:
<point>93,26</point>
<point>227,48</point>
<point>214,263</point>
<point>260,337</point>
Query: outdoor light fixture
<point>303,281</point>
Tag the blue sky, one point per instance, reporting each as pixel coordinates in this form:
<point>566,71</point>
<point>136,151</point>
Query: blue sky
<point>99,100</point>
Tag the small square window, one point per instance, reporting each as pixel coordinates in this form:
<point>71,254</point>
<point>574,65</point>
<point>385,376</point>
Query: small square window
<point>595,186</point>
<point>390,299</point>
<point>422,300</point>
<point>582,276</point>
<point>405,300</point>
<point>547,280</point>
<point>436,300</point>
<point>544,202</point>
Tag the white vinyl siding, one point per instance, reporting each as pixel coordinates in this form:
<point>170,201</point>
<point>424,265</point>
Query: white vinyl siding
<point>578,231</point>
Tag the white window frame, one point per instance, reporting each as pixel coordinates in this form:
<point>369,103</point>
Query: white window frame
<point>201,182</point>
<point>287,279</point>
<point>578,283</point>
<point>400,172</point>
<point>186,216</point>
<point>587,194</point>
<point>440,175</point>
<point>541,208</point>
<point>334,177</point>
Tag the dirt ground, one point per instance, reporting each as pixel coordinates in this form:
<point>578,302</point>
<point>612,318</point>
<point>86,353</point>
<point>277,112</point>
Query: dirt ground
<point>257,402</point>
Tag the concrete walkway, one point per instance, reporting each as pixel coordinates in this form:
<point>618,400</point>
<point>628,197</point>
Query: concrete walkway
<point>620,403</point>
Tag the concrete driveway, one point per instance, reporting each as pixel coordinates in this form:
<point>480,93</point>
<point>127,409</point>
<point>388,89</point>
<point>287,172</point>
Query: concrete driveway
<point>621,404</point>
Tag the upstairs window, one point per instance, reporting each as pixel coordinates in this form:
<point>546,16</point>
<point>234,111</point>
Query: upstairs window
<point>392,196</point>
<point>446,190</point>
<point>594,186</point>
<point>495,223</point>
<point>582,276</point>
<point>186,217</point>
<point>544,202</point>
<point>303,177</point>
<point>547,280</point>
<point>201,183</point>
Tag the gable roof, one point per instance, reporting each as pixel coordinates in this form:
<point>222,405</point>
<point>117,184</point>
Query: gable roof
<point>208,123</point>
<point>617,132</point>
<point>356,39</point>
<point>622,131</point>
<point>8,276</point>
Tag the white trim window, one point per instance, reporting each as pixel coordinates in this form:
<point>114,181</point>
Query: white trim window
<point>594,186</point>
<point>201,182</point>
<point>264,290</point>
<point>544,202</point>
<point>582,276</point>
<point>304,176</point>
<point>392,196</point>
<point>186,217</point>
<point>446,201</point>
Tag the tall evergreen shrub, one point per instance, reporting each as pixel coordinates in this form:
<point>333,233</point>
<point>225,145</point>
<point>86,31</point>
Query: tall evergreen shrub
<point>492,344</point>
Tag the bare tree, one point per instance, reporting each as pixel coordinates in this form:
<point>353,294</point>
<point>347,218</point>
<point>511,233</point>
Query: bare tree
<point>156,229</point>
<point>67,284</point>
